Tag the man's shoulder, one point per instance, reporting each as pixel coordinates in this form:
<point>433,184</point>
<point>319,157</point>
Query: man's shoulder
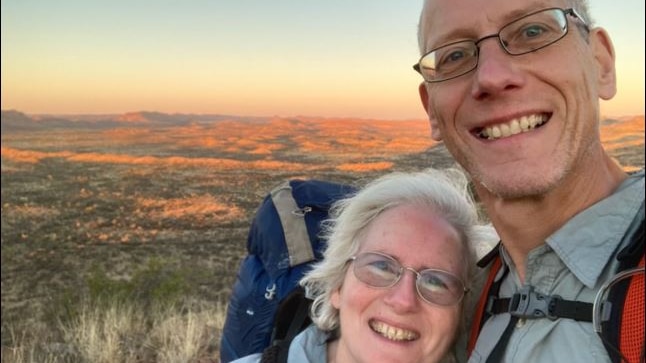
<point>633,187</point>
<point>636,174</point>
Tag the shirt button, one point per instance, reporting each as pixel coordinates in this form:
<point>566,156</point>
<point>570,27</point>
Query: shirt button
<point>520,323</point>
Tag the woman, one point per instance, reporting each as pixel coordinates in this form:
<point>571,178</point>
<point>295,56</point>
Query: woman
<point>391,285</point>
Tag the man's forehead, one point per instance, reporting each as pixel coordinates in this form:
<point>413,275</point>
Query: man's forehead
<point>444,20</point>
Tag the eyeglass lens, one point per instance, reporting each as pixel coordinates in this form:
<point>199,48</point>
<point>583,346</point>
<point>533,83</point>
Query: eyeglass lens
<point>434,286</point>
<point>526,34</point>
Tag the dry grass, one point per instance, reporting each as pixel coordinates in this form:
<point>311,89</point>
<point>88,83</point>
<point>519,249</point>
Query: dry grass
<point>77,200</point>
<point>127,333</point>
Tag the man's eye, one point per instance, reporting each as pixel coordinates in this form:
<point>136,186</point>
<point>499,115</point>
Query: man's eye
<point>533,31</point>
<point>453,56</point>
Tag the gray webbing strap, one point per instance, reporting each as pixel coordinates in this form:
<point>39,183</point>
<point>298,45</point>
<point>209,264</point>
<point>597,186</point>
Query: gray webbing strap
<point>296,236</point>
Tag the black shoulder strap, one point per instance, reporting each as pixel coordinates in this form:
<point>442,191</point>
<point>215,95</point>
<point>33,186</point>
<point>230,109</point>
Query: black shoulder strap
<point>488,289</point>
<point>630,255</point>
<point>484,310</point>
<point>291,318</point>
<point>499,349</point>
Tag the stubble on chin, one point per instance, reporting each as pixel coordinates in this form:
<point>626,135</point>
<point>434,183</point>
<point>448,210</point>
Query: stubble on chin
<point>519,185</point>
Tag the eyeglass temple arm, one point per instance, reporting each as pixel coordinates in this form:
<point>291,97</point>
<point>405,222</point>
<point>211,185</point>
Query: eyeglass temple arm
<point>573,13</point>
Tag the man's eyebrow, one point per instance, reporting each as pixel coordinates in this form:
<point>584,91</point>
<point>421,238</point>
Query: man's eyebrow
<point>468,33</point>
<point>528,8</point>
<point>454,35</point>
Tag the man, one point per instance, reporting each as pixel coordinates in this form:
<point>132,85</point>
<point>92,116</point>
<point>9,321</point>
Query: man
<point>512,88</point>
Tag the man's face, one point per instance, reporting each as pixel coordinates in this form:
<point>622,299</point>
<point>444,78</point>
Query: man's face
<point>551,94</point>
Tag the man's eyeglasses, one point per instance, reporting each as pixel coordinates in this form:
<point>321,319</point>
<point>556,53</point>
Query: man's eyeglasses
<point>524,35</point>
<point>433,286</point>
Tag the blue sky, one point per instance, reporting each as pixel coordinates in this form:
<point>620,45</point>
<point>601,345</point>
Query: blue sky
<point>247,57</point>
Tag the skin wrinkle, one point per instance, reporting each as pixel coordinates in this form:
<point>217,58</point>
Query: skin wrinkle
<point>511,64</point>
<point>528,176</point>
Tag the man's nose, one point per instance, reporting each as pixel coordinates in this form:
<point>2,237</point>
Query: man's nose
<point>496,71</point>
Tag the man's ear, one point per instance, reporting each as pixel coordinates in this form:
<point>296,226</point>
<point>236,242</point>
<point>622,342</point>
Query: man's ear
<point>604,55</point>
<point>435,127</point>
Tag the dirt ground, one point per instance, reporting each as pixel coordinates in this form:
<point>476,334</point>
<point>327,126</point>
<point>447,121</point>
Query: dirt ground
<point>77,199</point>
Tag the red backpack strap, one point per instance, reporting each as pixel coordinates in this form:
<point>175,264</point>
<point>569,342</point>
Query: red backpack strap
<point>620,311</point>
<point>631,337</point>
<point>478,319</point>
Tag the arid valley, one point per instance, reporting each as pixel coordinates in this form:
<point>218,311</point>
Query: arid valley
<point>82,194</point>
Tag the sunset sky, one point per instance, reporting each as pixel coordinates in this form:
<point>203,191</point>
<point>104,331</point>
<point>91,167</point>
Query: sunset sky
<point>333,58</point>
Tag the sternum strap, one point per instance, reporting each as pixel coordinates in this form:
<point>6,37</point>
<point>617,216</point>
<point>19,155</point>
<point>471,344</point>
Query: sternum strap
<point>528,304</point>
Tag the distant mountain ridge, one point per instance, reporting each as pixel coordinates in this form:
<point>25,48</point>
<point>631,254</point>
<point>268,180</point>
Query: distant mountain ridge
<point>13,120</point>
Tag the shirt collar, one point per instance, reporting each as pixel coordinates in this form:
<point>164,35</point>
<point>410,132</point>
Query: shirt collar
<point>588,240</point>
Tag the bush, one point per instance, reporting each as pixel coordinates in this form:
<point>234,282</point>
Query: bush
<point>156,283</point>
<point>151,317</point>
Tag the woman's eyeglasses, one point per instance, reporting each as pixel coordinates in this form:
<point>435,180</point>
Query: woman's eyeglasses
<point>433,286</point>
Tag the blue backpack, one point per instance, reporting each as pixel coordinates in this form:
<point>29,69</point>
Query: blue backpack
<point>283,241</point>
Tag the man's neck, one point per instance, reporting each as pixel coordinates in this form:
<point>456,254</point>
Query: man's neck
<point>524,223</point>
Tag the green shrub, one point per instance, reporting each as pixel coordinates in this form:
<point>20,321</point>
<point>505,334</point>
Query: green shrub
<point>156,283</point>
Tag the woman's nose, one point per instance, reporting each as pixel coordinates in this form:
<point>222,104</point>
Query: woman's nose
<point>402,296</point>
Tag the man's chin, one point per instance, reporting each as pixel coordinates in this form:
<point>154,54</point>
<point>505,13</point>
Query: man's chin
<point>515,185</point>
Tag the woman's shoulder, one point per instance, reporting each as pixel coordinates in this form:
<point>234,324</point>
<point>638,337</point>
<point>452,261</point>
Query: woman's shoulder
<point>252,358</point>
<point>309,346</point>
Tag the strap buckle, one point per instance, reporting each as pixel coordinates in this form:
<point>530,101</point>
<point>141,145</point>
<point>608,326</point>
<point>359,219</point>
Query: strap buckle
<point>601,307</point>
<point>528,304</point>
<point>270,291</point>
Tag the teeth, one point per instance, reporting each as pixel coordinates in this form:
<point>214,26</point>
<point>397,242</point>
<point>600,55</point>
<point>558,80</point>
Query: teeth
<point>393,333</point>
<point>513,127</point>
<point>504,130</point>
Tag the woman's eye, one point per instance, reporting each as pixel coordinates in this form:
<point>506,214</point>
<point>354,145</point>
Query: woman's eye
<point>383,268</point>
<point>434,283</point>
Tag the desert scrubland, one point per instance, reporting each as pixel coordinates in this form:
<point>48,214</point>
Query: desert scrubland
<point>145,216</point>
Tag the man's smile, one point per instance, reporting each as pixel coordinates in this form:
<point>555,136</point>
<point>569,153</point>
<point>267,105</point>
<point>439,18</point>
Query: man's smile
<point>512,127</point>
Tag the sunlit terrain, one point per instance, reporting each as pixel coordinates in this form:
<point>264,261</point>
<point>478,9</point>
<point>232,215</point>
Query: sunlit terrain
<point>85,193</point>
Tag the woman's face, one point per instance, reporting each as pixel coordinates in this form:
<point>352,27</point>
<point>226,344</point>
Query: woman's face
<point>394,324</point>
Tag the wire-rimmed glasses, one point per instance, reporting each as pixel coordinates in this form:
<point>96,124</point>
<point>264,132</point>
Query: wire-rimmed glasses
<point>527,34</point>
<point>433,286</point>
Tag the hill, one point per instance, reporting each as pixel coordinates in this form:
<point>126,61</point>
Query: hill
<point>12,120</point>
<point>112,193</point>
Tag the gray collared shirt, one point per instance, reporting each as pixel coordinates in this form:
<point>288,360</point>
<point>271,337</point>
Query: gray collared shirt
<point>573,263</point>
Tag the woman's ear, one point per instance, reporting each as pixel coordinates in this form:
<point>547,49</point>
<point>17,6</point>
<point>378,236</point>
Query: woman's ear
<point>435,127</point>
<point>335,298</point>
<point>604,55</point>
